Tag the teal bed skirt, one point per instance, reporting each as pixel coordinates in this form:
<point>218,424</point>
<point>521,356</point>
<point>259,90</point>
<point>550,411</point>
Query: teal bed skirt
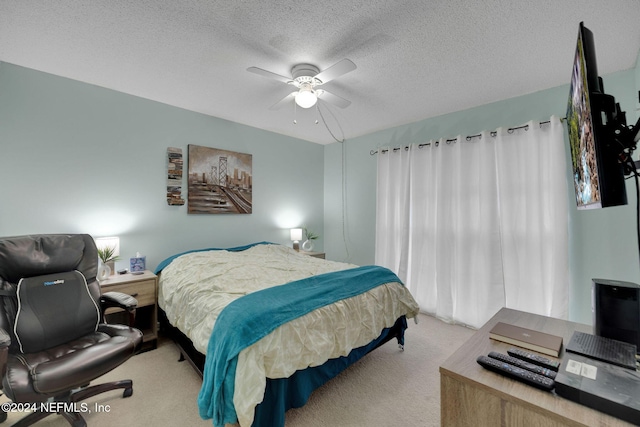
<point>285,393</point>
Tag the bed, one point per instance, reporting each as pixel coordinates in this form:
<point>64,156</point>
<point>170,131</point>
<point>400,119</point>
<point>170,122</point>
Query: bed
<point>267,324</point>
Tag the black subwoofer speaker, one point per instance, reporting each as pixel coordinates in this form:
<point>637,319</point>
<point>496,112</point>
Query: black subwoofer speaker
<point>616,310</point>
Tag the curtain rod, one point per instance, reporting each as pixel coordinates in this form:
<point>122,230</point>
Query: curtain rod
<point>468,138</point>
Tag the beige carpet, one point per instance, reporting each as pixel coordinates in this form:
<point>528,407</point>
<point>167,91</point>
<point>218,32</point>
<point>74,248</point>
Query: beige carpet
<point>387,387</point>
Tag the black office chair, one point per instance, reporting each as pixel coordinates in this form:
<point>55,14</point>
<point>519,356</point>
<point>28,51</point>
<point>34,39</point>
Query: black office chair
<point>53,339</point>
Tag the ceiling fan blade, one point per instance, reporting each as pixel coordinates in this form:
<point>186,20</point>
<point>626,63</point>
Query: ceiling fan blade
<point>336,100</point>
<point>336,70</point>
<point>269,74</point>
<point>286,100</point>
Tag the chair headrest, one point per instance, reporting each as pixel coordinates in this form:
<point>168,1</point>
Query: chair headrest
<point>35,255</point>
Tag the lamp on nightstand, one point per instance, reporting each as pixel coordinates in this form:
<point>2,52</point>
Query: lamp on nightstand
<point>296,236</point>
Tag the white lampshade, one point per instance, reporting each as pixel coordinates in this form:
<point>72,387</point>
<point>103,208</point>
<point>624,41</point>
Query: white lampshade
<point>296,234</point>
<point>306,97</point>
<point>109,242</point>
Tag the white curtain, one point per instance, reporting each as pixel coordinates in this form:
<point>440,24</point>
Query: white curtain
<point>533,215</point>
<point>473,226</point>
<point>392,208</point>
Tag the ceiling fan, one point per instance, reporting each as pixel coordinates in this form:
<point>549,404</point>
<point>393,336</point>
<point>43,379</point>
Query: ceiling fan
<point>306,78</point>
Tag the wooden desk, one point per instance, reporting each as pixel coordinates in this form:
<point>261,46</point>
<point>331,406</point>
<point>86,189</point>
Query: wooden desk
<point>473,396</point>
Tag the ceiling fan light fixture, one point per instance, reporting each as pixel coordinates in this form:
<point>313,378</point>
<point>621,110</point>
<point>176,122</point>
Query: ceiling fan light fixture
<point>306,96</point>
<point>306,78</point>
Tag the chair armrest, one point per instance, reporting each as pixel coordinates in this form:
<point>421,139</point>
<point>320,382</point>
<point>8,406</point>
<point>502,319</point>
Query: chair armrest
<point>118,299</point>
<point>5,342</point>
<point>5,339</point>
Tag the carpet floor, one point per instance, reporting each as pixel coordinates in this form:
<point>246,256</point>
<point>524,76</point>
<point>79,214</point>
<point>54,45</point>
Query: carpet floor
<point>387,387</point>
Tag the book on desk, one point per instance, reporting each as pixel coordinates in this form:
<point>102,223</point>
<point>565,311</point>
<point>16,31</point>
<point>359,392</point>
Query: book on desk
<point>527,338</point>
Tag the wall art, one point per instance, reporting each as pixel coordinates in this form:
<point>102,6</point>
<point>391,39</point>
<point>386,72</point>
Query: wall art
<point>220,181</point>
<point>174,177</point>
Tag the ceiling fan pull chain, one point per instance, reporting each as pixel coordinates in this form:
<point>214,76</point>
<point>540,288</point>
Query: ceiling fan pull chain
<point>295,109</point>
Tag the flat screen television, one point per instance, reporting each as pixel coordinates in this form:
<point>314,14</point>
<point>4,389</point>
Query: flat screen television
<point>592,117</point>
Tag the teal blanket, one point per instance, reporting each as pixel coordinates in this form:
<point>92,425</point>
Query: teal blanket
<point>250,318</point>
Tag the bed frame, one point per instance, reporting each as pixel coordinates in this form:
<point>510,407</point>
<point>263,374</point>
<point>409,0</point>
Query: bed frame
<point>286,393</point>
<point>187,351</point>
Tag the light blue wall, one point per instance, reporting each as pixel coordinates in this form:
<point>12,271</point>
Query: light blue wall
<point>602,243</point>
<point>605,239</point>
<point>80,158</point>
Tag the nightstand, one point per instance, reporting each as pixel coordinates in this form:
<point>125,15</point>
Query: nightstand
<point>144,288</point>
<point>314,254</point>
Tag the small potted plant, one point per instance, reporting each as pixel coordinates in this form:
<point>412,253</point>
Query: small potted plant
<point>311,236</point>
<point>108,258</point>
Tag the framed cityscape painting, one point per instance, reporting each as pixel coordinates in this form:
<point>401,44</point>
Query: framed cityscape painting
<point>220,181</point>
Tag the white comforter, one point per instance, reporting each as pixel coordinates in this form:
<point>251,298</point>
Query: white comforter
<point>195,288</point>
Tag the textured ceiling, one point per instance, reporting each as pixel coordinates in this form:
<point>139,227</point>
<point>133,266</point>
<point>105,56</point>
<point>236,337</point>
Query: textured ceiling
<point>415,59</point>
